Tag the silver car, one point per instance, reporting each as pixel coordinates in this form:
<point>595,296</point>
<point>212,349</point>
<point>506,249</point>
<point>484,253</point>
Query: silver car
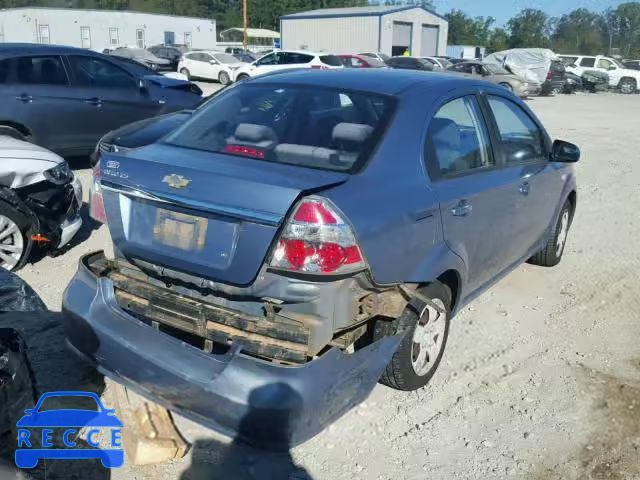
<point>496,74</point>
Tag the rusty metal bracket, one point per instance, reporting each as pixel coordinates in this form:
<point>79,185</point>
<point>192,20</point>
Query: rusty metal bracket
<point>414,294</point>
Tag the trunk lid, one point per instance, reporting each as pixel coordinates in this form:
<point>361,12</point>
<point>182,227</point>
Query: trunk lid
<point>208,214</point>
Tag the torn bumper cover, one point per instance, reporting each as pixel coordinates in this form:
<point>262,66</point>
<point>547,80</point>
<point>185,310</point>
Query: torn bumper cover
<point>257,401</point>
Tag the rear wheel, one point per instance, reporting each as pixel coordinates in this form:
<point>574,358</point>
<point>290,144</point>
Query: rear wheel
<point>627,86</point>
<point>242,76</point>
<point>223,78</point>
<point>551,254</point>
<point>186,73</point>
<point>11,132</point>
<point>15,238</point>
<point>425,332</point>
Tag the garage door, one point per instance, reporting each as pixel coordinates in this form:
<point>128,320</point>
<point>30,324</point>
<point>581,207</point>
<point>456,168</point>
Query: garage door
<point>401,38</point>
<point>429,41</point>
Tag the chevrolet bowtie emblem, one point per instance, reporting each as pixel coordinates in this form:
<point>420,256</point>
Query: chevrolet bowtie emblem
<point>176,181</point>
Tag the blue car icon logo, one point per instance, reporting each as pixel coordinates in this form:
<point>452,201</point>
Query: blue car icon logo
<point>35,433</point>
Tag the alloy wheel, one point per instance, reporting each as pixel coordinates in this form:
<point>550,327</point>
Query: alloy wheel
<point>428,338</point>
<point>11,243</point>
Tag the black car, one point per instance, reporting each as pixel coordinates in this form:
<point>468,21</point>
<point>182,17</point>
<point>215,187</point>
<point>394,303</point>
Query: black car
<point>65,98</point>
<point>556,79</point>
<point>172,53</point>
<point>410,63</point>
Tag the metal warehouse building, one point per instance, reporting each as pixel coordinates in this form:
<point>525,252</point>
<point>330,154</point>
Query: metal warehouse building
<point>385,29</point>
<point>101,29</point>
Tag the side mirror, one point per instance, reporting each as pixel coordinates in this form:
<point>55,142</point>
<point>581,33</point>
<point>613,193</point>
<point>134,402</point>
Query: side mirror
<point>564,152</point>
<point>213,62</point>
<point>612,67</point>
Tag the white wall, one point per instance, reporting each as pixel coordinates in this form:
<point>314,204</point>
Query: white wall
<point>23,25</point>
<point>417,17</point>
<point>337,35</point>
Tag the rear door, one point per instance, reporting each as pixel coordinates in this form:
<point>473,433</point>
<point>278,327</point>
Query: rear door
<point>524,148</point>
<point>112,96</point>
<point>476,197</point>
<point>37,94</point>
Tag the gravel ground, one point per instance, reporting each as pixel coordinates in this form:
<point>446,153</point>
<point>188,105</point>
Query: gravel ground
<point>541,379</point>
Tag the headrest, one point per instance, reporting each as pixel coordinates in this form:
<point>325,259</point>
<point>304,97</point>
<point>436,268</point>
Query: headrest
<point>351,132</point>
<point>249,132</point>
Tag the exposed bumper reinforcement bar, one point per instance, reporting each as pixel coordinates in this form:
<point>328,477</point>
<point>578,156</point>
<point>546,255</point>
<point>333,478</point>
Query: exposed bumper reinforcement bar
<point>259,402</point>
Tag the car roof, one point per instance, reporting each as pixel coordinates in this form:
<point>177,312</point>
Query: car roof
<point>380,81</point>
<point>13,49</point>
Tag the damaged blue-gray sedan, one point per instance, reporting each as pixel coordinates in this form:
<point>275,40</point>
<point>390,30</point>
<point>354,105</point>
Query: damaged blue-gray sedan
<point>305,234</point>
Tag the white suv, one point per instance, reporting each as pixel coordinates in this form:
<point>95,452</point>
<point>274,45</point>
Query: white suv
<point>287,59</point>
<point>621,77</point>
<point>209,66</point>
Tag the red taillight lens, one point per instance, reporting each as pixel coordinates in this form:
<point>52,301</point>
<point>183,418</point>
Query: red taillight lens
<point>314,212</point>
<point>244,151</point>
<point>317,240</point>
<point>96,203</point>
<point>549,75</point>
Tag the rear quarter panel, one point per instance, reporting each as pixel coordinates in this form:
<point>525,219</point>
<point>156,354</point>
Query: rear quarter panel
<point>391,205</point>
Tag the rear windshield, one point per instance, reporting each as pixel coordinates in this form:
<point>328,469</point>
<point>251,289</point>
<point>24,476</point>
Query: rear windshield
<point>332,60</point>
<point>311,127</point>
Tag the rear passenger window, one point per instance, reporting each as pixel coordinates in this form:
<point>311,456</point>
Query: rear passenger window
<point>333,60</point>
<point>288,58</point>
<point>588,62</point>
<point>41,71</point>
<point>458,139</point>
<point>521,139</point>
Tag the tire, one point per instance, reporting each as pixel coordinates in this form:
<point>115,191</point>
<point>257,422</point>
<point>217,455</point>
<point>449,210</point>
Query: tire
<point>224,78</point>
<point>628,86</point>
<point>186,73</point>
<point>11,132</point>
<point>506,86</point>
<point>242,77</point>
<point>401,372</point>
<point>551,254</point>
<point>15,248</point>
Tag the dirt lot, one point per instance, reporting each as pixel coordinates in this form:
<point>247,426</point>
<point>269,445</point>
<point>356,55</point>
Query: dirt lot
<point>541,379</point>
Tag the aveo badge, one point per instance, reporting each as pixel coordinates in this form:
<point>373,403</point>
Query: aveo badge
<point>37,429</point>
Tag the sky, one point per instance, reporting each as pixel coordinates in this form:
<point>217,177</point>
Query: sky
<point>503,10</point>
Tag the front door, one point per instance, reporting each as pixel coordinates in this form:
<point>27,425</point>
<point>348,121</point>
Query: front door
<point>526,159</point>
<point>111,96</point>
<point>476,198</point>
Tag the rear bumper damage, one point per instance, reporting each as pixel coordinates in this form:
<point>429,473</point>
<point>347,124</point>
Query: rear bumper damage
<point>261,402</point>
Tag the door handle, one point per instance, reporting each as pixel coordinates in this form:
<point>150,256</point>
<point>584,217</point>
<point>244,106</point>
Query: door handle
<point>524,188</point>
<point>25,98</point>
<point>94,101</point>
<point>463,209</point>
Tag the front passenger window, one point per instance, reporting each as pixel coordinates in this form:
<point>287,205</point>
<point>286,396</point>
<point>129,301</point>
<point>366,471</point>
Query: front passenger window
<point>521,139</point>
<point>457,140</point>
<point>95,72</point>
<point>268,60</point>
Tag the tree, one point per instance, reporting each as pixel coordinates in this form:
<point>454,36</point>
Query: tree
<point>529,29</point>
<point>580,31</point>
<point>464,30</point>
<point>498,40</point>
